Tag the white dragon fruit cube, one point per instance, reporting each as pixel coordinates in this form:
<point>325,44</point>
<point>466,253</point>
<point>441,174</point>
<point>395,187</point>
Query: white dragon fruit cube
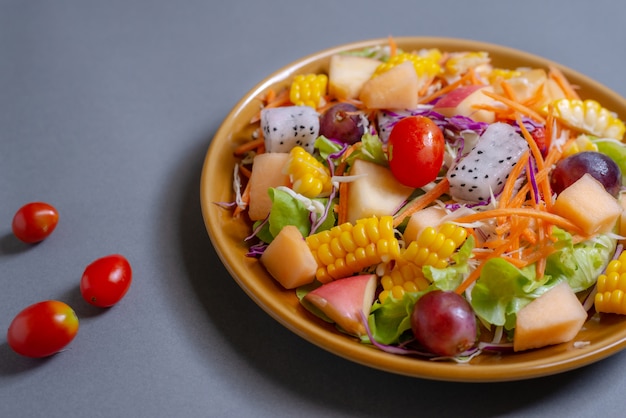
<point>485,169</point>
<point>287,127</point>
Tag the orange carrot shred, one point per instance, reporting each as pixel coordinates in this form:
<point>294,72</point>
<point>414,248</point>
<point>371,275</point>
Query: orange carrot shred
<point>558,76</point>
<point>423,201</point>
<point>516,106</point>
<point>249,146</point>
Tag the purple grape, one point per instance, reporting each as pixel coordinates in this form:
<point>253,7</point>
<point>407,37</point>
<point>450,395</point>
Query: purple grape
<point>599,165</point>
<point>444,323</point>
<point>342,122</point>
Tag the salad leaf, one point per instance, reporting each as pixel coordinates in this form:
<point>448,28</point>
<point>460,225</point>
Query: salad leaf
<point>390,320</point>
<point>616,150</point>
<point>371,150</point>
<point>502,289</point>
<point>326,147</point>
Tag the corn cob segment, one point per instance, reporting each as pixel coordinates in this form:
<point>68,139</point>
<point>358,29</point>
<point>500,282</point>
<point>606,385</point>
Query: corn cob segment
<point>424,65</point>
<point>433,247</point>
<point>308,176</point>
<point>308,90</point>
<point>347,249</point>
<point>611,288</point>
<point>590,117</point>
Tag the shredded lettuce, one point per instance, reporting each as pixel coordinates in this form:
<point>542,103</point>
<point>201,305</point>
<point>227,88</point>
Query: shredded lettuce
<point>616,150</point>
<point>371,150</point>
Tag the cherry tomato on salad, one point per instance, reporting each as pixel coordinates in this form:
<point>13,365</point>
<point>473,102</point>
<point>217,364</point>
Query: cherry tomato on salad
<point>34,222</point>
<point>106,280</point>
<point>415,149</point>
<point>42,329</point>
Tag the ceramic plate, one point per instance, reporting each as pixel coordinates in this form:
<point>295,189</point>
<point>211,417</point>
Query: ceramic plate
<point>603,336</point>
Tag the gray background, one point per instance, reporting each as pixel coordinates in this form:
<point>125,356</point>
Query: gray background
<point>106,111</point>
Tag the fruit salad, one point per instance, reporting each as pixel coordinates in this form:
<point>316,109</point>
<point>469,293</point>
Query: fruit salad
<point>430,203</point>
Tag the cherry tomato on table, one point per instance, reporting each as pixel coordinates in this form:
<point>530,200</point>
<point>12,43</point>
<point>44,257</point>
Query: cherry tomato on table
<point>42,329</point>
<point>106,280</point>
<point>415,148</point>
<point>34,222</point>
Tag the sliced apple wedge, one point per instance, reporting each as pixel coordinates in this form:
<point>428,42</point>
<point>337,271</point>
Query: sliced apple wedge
<point>463,100</point>
<point>343,301</point>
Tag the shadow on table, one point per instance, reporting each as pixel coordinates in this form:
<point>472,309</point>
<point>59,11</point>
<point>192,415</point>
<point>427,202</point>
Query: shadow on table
<point>319,377</point>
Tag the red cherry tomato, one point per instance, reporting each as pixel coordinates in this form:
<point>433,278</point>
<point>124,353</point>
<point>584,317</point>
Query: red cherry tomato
<point>34,222</point>
<point>415,149</point>
<point>42,329</point>
<point>106,280</point>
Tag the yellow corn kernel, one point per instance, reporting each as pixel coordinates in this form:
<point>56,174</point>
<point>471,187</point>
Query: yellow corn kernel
<point>403,275</point>
<point>580,144</point>
<point>347,249</point>
<point>434,247</point>
<point>308,176</point>
<point>426,65</point>
<point>308,90</point>
<point>384,295</point>
<point>589,117</point>
<point>502,74</point>
<point>611,287</point>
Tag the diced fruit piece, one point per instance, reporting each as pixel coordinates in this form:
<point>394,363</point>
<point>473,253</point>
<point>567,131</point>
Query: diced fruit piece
<point>599,165</point>
<point>589,117</point>
<point>622,218</point>
<point>444,323</point>
<point>377,193</point>
<point>486,167</point>
<point>525,84</point>
<point>394,89</point>
<point>553,318</point>
<point>344,300</point>
<point>285,127</point>
<point>348,73</point>
<point>343,122</point>
<point>588,205</point>
<point>288,259</point>
<point>422,219</point>
<point>267,171</point>
<point>462,101</point>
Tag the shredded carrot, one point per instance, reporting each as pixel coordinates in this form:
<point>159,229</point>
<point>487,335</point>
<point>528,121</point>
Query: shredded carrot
<point>509,186</point>
<point>277,100</point>
<point>423,201</point>
<point>467,77</point>
<point>552,218</point>
<point>508,90</point>
<point>249,146</point>
<point>516,106</point>
<point>558,76</point>
<point>244,171</point>
<point>393,47</point>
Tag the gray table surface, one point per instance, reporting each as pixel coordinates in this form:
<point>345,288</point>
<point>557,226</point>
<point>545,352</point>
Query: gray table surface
<point>107,109</point>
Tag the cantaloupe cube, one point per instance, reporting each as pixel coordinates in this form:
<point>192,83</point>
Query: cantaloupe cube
<point>553,318</point>
<point>289,260</point>
<point>430,216</point>
<point>267,171</point>
<point>588,205</point>
<point>622,218</point>
<point>377,193</point>
<point>396,88</point>
<point>348,73</point>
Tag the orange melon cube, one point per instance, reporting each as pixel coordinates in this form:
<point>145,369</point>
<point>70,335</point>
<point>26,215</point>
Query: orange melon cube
<point>397,88</point>
<point>289,260</point>
<point>267,172</point>
<point>553,318</point>
<point>588,205</point>
<point>348,73</point>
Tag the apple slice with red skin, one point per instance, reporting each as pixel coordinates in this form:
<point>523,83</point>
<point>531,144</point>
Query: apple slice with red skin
<point>463,100</point>
<point>343,301</point>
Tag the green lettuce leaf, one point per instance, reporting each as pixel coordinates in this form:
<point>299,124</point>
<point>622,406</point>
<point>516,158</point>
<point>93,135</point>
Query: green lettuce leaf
<point>616,150</point>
